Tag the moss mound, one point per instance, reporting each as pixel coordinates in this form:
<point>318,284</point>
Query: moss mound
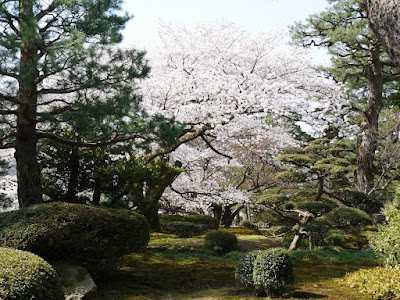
<point>91,236</point>
<point>25,276</point>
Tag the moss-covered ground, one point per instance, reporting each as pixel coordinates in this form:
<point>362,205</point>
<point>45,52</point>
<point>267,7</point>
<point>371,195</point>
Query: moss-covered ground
<point>175,268</point>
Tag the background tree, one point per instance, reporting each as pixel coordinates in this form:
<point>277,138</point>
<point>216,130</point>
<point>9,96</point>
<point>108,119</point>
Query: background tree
<point>384,19</point>
<point>57,59</point>
<point>358,60</point>
<point>218,80</point>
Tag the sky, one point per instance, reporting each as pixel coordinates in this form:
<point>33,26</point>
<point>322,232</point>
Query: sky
<point>254,15</point>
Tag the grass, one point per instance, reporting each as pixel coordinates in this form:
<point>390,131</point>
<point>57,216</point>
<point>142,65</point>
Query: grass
<point>174,268</point>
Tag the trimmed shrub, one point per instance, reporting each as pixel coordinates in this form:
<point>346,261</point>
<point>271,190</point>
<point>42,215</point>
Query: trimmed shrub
<point>244,268</point>
<point>272,272</point>
<point>25,276</point>
<point>91,236</point>
<point>335,239</point>
<point>376,283</point>
<point>184,229</point>
<point>221,241</point>
<point>208,222</point>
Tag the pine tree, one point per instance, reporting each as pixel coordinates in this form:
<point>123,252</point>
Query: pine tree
<point>358,60</point>
<point>57,59</point>
<point>317,196</point>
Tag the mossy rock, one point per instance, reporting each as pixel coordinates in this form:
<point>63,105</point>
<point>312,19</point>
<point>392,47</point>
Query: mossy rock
<point>25,276</point>
<point>90,236</point>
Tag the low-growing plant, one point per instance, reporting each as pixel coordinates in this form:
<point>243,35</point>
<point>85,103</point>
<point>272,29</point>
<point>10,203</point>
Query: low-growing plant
<point>184,229</point>
<point>221,241</point>
<point>25,276</point>
<point>376,283</point>
<point>272,272</point>
<point>93,237</point>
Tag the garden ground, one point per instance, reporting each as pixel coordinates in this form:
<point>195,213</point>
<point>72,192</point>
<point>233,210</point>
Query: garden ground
<point>176,268</point>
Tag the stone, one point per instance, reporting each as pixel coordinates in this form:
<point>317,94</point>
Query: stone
<point>76,281</point>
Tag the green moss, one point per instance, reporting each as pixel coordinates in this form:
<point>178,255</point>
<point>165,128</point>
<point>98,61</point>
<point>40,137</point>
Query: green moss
<point>25,276</point>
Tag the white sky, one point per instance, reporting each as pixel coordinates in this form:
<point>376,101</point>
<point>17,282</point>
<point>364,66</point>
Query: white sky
<point>254,15</point>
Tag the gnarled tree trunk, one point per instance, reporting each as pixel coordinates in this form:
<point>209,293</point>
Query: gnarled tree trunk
<point>364,174</point>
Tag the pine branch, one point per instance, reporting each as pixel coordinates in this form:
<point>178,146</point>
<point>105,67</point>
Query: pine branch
<point>117,138</point>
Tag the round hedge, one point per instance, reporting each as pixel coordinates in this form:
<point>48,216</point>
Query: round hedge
<point>272,271</point>
<point>244,268</point>
<point>25,276</point>
<point>91,236</point>
<point>221,241</point>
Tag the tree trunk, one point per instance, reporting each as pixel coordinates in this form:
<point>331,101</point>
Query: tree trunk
<point>152,194</point>
<point>384,17</point>
<point>295,241</point>
<point>228,216</point>
<point>28,169</point>
<point>364,174</point>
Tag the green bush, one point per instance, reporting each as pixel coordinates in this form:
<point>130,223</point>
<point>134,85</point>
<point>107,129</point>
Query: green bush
<point>272,272</point>
<point>386,241</point>
<point>287,240</point>
<point>245,267</point>
<point>221,241</point>
<point>184,229</point>
<point>335,239</point>
<point>25,276</point>
<point>209,222</point>
<point>376,283</point>
<point>91,236</point>
<point>279,229</point>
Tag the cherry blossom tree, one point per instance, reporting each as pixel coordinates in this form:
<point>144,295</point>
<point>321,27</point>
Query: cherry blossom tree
<point>233,91</point>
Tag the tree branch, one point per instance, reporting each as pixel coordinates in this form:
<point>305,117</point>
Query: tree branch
<point>115,139</point>
<point>184,139</point>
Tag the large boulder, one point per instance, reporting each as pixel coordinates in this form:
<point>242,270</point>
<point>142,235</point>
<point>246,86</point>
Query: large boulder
<point>384,17</point>
<point>25,276</point>
<point>76,281</point>
<point>90,236</point>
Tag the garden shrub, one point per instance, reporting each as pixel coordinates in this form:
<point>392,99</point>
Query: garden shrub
<point>386,241</point>
<point>25,276</point>
<point>279,229</point>
<point>91,236</point>
<point>209,222</point>
<point>245,267</point>
<point>221,241</point>
<point>335,239</point>
<point>184,229</point>
<point>272,272</point>
<point>376,283</point>
<point>287,240</point>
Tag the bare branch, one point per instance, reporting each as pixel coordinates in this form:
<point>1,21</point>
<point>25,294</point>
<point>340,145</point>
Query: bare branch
<point>215,150</point>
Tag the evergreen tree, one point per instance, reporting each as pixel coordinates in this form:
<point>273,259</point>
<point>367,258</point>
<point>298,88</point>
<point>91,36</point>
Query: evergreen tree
<point>317,196</point>
<point>56,66</point>
<point>358,60</point>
